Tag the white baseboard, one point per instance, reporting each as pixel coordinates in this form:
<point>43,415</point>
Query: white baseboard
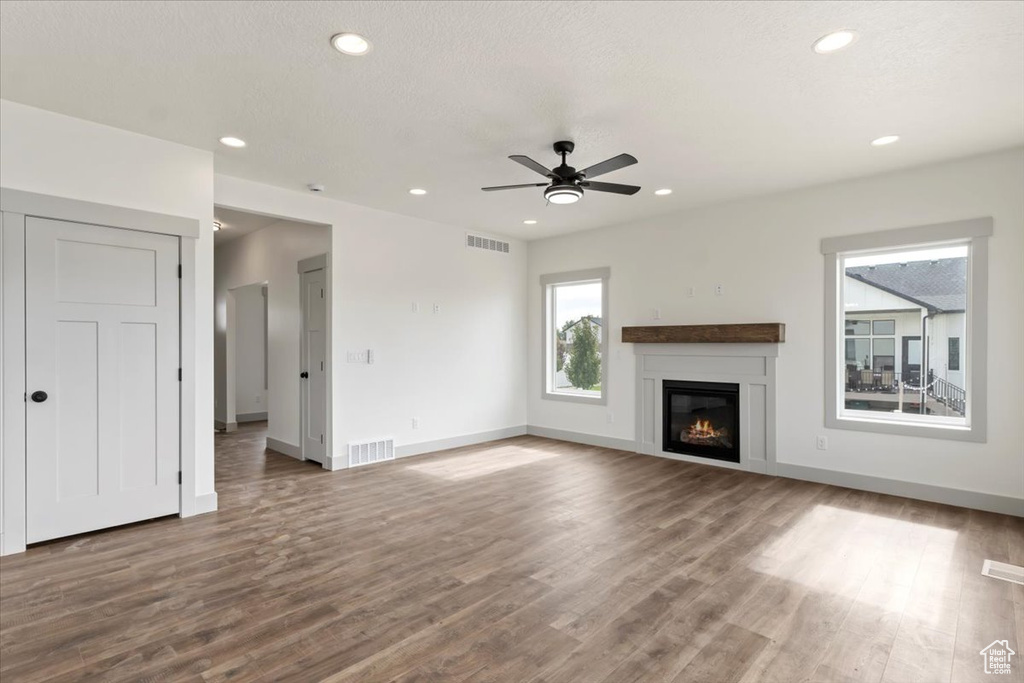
<point>250,417</point>
<point>580,437</point>
<point>7,548</point>
<point>340,462</point>
<point>936,494</point>
<point>225,426</point>
<point>284,448</point>
<point>406,450</point>
<point>206,502</point>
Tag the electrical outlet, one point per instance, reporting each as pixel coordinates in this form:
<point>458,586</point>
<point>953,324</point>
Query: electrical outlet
<point>415,423</point>
<point>258,399</point>
<point>437,308</point>
<point>655,314</point>
<point>692,292</point>
<point>719,290</point>
<point>415,307</point>
<point>822,443</point>
<point>610,417</point>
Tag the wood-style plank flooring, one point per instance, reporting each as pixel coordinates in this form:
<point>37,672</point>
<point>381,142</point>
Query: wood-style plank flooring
<point>520,560</point>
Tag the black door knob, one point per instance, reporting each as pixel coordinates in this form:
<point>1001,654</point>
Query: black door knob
<point>39,396</point>
<point>304,375</point>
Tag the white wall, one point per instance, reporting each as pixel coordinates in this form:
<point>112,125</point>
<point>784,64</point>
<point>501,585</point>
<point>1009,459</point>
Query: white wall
<point>461,371</point>
<point>765,252</point>
<point>251,346</point>
<point>62,156</point>
<point>270,255</point>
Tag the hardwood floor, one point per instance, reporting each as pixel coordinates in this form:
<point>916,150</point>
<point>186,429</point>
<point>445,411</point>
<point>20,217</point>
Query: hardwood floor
<point>520,560</point>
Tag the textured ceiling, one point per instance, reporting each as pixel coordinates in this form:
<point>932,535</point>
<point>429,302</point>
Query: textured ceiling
<point>718,100</point>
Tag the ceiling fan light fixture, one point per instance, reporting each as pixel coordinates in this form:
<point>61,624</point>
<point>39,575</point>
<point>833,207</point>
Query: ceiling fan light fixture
<point>563,194</point>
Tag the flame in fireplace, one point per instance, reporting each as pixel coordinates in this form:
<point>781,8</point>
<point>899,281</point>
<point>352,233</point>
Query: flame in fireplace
<point>703,429</point>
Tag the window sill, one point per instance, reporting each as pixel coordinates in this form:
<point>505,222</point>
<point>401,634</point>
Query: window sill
<point>944,432</point>
<point>575,398</point>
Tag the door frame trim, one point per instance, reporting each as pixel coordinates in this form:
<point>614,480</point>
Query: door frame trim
<point>15,206</point>
<point>306,265</point>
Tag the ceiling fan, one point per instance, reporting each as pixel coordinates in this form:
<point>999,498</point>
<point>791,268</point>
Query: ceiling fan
<point>566,184</point>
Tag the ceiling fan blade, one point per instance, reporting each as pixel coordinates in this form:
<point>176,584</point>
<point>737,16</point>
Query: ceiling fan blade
<point>530,164</point>
<point>609,165</point>
<point>611,187</point>
<point>513,187</point>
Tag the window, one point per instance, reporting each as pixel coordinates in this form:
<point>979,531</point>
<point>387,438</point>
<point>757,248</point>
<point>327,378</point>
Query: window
<point>576,336</point>
<point>899,304</point>
<point>875,350</point>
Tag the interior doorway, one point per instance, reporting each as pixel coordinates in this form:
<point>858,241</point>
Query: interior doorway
<point>247,370</point>
<point>260,333</point>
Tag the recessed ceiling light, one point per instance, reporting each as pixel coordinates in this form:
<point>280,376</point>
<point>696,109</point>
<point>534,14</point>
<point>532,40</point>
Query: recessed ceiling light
<point>350,44</point>
<point>232,142</point>
<point>217,226</point>
<point>834,41</point>
<point>663,192</point>
<point>417,191</point>
<point>529,221</point>
<point>884,140</point>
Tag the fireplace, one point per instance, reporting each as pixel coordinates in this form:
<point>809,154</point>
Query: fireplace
<point>702,419</point>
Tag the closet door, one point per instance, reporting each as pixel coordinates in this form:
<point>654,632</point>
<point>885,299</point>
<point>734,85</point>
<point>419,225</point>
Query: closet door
<point>103,404</point>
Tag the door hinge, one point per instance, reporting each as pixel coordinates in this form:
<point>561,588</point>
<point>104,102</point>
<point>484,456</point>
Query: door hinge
<point>179,477</point>
<point>321,438</point>
<point>179,374</point>
<point>321,293</point>
<point>179,271</point>
<point>321,366</point>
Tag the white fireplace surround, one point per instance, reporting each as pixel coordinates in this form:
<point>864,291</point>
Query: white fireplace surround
<point>751,366</point>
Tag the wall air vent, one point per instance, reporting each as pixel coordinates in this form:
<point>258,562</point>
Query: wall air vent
<point>369,452</point>
<point>488,243</point>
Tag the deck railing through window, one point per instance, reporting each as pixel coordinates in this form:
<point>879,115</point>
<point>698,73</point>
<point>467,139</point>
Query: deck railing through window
<point>872,389</point>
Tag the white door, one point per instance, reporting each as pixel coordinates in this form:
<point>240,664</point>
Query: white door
<point>314,357</point>
<point>101,329</point>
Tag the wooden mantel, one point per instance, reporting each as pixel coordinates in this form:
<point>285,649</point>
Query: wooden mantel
<point>743,333</point>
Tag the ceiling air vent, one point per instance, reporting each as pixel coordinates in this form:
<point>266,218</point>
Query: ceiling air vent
<point>488,243</point>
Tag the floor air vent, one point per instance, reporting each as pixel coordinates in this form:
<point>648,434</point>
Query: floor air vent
<point>1001,570</point>
<point>478,242</point>
<point>370,452</point>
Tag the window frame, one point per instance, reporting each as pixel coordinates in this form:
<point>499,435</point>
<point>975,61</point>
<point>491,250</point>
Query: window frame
<point>549,328</point>
<point>972,232</point>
